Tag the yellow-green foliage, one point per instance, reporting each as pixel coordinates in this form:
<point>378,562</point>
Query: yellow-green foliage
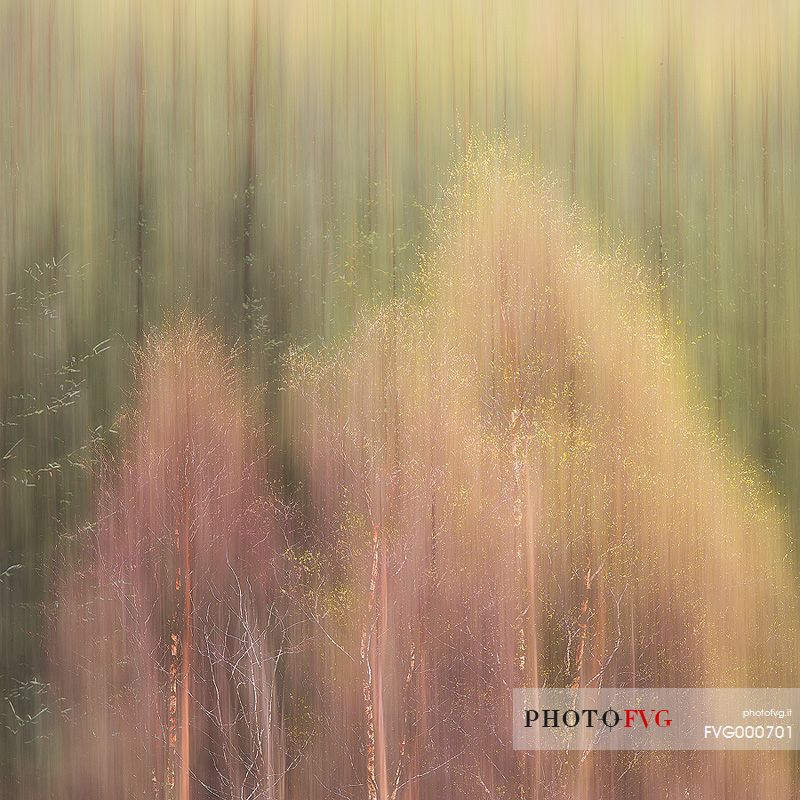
<point>526,432</point>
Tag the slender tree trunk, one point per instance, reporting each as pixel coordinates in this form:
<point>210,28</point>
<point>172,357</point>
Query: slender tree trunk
<point>380,739</point>
<point>172,712</point>
<point>367,681</point>
<point>186,647</point>
<point>573,161</point>
<point>408,722</point>
<point>249,189</point>
<point>140,195</point>
<point>764,273</point>
<point>578,679</point>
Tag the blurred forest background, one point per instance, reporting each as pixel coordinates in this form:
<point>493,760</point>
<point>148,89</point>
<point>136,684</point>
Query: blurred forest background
<point>269,165</point>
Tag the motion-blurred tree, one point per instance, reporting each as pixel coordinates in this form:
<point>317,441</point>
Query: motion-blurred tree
<point>169,638</point>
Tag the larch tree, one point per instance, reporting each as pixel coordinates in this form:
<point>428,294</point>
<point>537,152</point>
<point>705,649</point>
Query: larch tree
<point>169,638</point>
<point>513,481</point>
